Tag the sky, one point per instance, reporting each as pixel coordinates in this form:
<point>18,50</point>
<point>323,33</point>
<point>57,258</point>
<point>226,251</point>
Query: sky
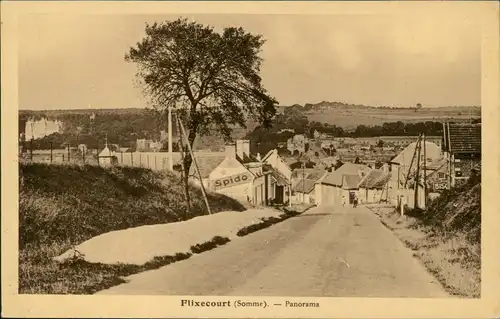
<point>77,61</point>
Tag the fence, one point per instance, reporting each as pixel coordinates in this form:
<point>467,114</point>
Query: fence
<point>60,156</point>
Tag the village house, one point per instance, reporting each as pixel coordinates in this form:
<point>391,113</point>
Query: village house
<point>400,165</point>
<point>436,175</point>
<point>304,180</point>
<point>240,175</point>
<point>282,173</point>
<point>340,187</point>
<point>297,143</point>
<point>462,150</point>
<point>373,188</point>
<point>403,170</point>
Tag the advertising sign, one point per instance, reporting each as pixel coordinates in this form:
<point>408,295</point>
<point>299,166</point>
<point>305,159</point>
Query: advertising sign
<point>233,180</point>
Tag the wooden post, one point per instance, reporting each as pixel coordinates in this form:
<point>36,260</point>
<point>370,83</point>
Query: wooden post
<point>181,150</point>
<point>50,152</point>
<point>411,163</point>
<point>417,177</point>
<point>121,158</point>
<point>69,156</point>
<point>425,174</point>
<point>195,165</point>
<point>131,158</point>
<point>170,160</point>
<point>31,149</point>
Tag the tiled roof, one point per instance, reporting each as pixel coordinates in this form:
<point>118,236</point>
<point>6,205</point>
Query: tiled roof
<point>351,168</point>
<point>436,164</point>
<point>309,173</point>
<point>350,181</point>
<point>304,186</point>
<point>281,180</point>
<point>206,165</point>
<point>375,179</point>
<point>462,138</point>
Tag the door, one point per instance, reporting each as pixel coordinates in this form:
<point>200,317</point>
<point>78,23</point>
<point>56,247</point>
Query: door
<point>351,197</point>
<point>279,194</point>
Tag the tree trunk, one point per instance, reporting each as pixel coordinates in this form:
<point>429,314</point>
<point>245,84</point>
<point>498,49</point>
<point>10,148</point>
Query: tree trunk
<point>187,160</point>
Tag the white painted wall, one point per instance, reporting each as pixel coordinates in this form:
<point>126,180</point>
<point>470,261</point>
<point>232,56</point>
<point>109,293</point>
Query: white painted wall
<point>228,167</point>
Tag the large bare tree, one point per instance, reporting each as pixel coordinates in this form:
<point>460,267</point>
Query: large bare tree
<point>212,79</point>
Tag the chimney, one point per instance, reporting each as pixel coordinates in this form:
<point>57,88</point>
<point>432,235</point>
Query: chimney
<point>230,150</point>
<point>258,157</point>
<point>246,147</point>
<point>239,148</point>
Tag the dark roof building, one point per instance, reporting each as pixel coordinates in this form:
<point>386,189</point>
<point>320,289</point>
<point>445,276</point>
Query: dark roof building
<point>462,138</point>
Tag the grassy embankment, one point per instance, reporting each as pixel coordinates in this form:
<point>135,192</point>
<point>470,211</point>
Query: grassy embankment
<point>61,206</point>
<point>446,237</point>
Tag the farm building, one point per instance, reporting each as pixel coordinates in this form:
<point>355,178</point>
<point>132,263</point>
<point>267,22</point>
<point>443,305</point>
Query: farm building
<point>339,187</point>
<point>462,150</point>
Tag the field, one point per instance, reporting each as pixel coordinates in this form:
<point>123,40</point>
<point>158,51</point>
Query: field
<point>350,118</point>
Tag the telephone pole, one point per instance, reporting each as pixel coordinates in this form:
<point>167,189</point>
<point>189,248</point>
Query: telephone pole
<point>417,177</point>
<point>170,160</point>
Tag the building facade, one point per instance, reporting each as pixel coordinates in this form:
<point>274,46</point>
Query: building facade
<point>462,150</point>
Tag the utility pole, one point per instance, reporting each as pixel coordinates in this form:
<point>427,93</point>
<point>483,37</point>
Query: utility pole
<point>303,182</point>
<point>417,177</point>
<point>425,175</point>
<point>170,160</point>
<point>195,165</point>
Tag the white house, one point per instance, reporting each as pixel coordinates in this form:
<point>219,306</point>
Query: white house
<point>106,157</point>
<point>373,188</point>
<point>282,174</point>
<point>401,165</point>
<point>339,187</point>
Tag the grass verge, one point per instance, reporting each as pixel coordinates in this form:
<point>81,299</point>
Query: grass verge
<point>77,276</point>
<point>453,260</point>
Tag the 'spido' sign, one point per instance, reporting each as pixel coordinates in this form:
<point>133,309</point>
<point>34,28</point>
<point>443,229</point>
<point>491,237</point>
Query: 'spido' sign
<point>233,180</point>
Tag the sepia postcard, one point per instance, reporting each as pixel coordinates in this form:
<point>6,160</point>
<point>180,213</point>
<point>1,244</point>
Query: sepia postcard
<point>278,159</point>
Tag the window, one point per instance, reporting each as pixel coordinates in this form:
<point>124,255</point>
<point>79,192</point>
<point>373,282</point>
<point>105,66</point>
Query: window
<point>441,175</point>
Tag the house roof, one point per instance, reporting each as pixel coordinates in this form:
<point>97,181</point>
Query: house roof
<point>407,152</point>
<point>375,179</point>
<point>462,138</point>
<point>436,164</point>
<point>309,173</point>
<point>206,165</point>
<point>281,180</point>
<point>268,154</point>
<point>105,152</point>
<point>351,168</point>
<point>304,186</point>
<point>336,177</point>
<point>350,181</point>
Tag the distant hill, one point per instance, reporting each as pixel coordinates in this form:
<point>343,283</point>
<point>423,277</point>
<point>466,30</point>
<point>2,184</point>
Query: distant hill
<point>349,116</point>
